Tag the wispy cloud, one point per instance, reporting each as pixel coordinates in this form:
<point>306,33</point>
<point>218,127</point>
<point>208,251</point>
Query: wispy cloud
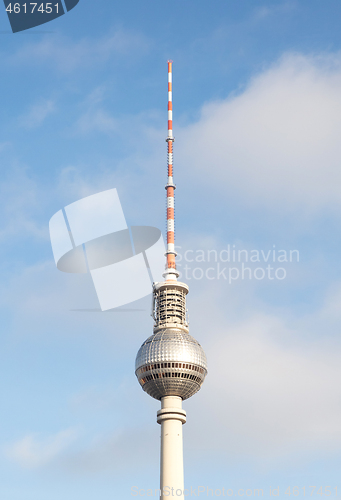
<point>265,12</point>
<point>95,117</point>
<point>67,55</point>
<point>33,451</point>
<point>37,113</point>
<point>4,145</point>
<point>113,453</point>
<point>20,200</point>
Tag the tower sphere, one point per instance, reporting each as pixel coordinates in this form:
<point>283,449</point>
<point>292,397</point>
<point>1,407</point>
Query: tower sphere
<point>171,363</point>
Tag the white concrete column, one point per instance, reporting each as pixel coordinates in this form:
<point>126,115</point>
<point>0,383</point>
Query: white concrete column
<point>171,417</point>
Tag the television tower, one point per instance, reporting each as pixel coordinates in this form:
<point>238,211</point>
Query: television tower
<point>170,365</point>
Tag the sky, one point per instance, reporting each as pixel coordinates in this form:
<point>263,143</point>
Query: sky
<point>257,126</point>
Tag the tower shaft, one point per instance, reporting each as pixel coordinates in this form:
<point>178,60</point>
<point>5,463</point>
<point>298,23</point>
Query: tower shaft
<point>171,417</point>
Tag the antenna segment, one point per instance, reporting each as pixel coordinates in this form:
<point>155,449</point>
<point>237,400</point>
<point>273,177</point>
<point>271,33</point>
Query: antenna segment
<point>171,273</point>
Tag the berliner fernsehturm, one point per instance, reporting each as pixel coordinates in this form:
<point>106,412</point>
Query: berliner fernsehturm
<point>170,365</point>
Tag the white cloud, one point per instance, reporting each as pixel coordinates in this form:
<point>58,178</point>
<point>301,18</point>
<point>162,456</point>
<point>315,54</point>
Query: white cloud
<point>31,452</point>
<point>272,388</point>
<point>277,143</point>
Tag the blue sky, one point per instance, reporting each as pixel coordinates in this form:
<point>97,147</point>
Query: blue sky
<point>257,106</point>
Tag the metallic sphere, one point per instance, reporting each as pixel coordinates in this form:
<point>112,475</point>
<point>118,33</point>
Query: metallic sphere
<point>171,363</point>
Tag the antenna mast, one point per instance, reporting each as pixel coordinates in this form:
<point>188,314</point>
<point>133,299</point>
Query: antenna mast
<point>171,273</point>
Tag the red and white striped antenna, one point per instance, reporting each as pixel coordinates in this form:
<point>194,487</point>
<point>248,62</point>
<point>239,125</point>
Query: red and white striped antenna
<point>171,272</point>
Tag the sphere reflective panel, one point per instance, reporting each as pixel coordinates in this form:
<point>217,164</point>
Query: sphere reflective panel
<point>171,363</point>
